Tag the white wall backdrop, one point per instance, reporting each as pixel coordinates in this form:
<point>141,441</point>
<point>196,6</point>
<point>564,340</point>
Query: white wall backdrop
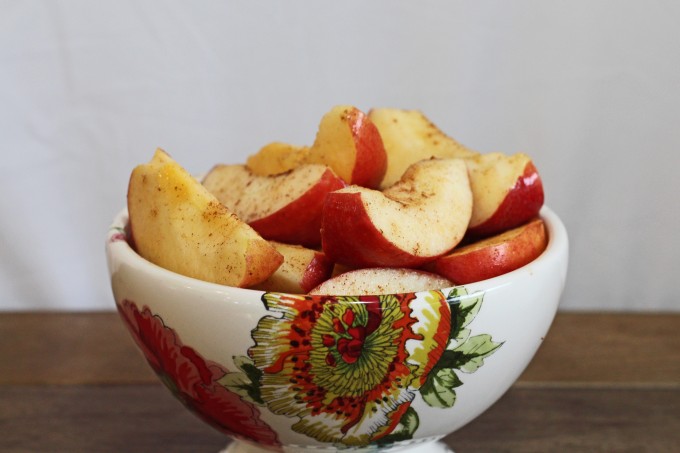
<point>89,89</point>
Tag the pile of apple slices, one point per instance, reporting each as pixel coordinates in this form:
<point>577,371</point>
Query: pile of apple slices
<point>383,202</point>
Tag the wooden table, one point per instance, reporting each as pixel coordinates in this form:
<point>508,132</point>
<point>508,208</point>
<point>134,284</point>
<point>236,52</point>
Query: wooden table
<point>601,382</point>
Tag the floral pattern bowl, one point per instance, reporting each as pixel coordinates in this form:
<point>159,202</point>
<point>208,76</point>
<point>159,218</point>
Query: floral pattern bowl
<point>296,373</point>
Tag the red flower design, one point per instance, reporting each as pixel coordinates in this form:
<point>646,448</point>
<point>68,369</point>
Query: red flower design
<point>348,367</point>
<point>193,379</point>
<point>117,234</point>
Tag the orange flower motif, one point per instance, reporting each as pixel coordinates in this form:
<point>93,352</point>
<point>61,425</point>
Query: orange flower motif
<point>347,367</point>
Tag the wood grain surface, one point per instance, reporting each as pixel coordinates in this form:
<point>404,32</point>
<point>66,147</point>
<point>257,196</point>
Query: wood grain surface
<point>601,382</point>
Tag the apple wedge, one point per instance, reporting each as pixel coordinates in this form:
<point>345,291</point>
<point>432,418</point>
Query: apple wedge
<point>376,281</point>
<point>346,141</point>
<point>285,208</point>
<point>418,219</point>
<point>507,192</point>
<point>276,158</point>
<point>302,270</point>
<point>409,136</point>
<point>493,256</point>
<point>349,143</point>
<point>177,224</point>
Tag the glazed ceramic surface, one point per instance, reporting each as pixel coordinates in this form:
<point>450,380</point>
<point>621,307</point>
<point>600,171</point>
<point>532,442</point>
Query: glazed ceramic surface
<point>321,373</point>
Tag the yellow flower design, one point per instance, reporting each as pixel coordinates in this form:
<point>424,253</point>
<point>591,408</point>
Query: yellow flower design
<point>348,367</point>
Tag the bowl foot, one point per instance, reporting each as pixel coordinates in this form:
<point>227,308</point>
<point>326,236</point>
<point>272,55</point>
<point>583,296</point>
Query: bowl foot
<point>428,447</point>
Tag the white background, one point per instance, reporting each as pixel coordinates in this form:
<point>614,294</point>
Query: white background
<point>88,90</point>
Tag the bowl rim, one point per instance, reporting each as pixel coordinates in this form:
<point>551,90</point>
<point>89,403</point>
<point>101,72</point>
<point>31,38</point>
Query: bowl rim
<point>119,249</point>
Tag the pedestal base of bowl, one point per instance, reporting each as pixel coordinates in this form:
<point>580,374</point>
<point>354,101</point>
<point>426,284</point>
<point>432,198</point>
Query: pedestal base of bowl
<point>421,447</point>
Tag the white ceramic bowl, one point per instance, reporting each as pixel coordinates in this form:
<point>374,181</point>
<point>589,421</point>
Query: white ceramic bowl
<point>308,374</point>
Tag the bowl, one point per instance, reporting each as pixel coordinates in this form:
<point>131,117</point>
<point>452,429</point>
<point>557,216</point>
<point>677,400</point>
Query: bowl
<point>298,373</point>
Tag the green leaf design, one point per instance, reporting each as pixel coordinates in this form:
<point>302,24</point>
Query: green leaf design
<point>465,352</point>
<point>404,431</point>
<point>438,390</point>
<point>245,383</point>
<point>464,308</point>
<point>463,335</point>
<point>474,351</point>
<point>451,359</point>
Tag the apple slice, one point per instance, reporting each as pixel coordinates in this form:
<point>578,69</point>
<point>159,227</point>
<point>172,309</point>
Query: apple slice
<point>416,220</point>
<point>285,208</point>
<point>409,136</point>
<point>177,224</point>
<point>276,158</point>
<point>376,281</point>
<point>302,270</point>
<point>349,143</point>
<point>493,256</point>
<point>507,192</point>
<point>346,141</point>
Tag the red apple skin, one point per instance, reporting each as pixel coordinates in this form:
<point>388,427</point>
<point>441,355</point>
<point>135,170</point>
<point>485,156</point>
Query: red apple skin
<point>299,222</point>
<point>319,270</point>
<point>371,158</point>
<point>345,212</point>
<point>302,270</point>
<point>521,204</point>
<point>493,256</point>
